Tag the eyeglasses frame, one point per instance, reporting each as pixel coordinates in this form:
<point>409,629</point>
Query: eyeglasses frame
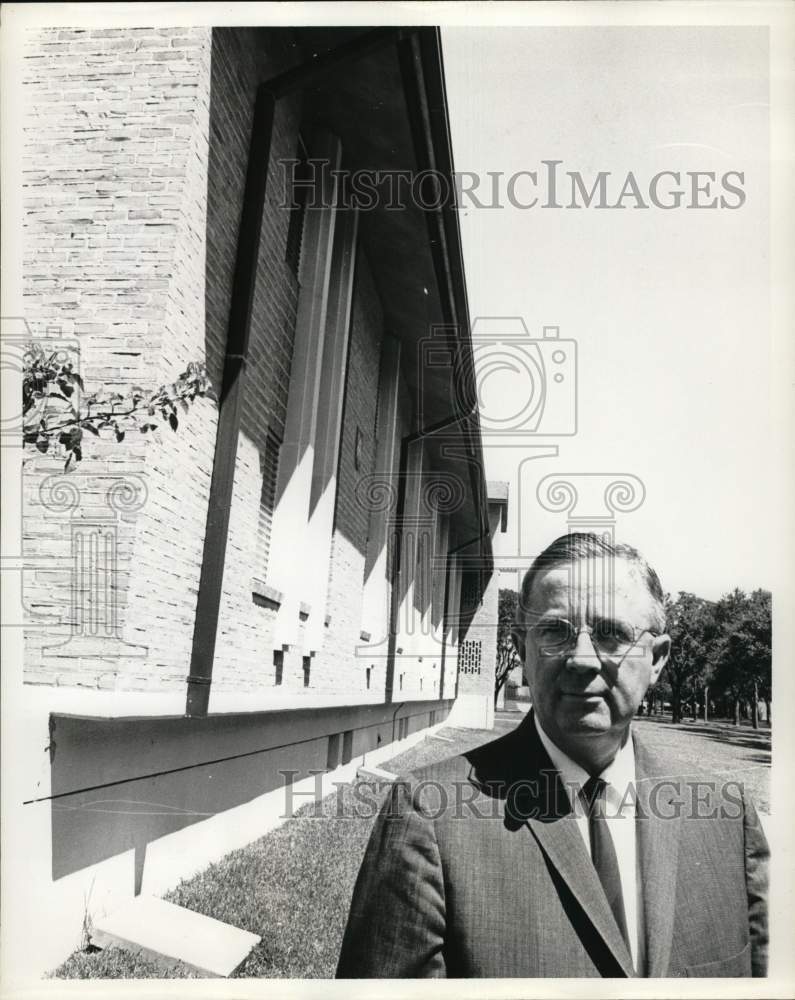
<point>589,629</point>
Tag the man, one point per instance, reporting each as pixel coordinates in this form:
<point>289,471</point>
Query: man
<point>567,847</point>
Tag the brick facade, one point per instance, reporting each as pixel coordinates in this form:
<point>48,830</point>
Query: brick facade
<point>136,160</point>
<point>115,206</point>
<point>477,650</point>
<point>241,60</point>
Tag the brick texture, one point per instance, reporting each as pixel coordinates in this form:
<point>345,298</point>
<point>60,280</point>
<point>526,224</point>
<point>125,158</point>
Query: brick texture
<point>241,60</point>
<point>114,197</point>
<point>135,163</point>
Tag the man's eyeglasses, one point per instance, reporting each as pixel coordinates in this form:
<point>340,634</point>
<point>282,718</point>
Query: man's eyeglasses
<point>556,636</point>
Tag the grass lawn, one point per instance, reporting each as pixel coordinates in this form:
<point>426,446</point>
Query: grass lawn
<point>115,963</point>
<point>721,748</point>
<point>293,886</point>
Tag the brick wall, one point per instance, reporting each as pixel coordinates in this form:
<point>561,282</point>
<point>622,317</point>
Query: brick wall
<point>165,573</point>
<point>134,184</point>
<point>135,166</point>
<point>242,59</point>
<point>479,644</point>
<point>114,200</point>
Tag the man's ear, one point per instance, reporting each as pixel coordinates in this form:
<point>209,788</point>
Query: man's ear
<point>660,651</point>
<point>517,634</point>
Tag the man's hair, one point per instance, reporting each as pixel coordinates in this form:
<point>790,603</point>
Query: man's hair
<point>587,545</point>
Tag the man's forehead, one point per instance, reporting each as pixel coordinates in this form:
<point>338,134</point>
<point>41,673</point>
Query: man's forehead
<point>587,579</point>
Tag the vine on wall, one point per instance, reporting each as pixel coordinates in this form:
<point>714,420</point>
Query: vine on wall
<point>57,413</point>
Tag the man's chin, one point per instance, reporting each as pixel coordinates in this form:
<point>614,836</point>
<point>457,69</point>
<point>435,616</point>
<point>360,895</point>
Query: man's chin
<point>584,713</point>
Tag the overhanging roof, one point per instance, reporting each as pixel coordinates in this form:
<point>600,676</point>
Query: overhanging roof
<point>389,109</point>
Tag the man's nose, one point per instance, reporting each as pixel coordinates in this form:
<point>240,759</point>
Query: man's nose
<point>583,655</point>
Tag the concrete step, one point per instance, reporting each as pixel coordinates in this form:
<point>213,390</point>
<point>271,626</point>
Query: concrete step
<point>167,934</point>
<point>367,771</point>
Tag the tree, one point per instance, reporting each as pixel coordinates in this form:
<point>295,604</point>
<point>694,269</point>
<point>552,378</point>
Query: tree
<point>507,657</point>
<point>659,695</point>
<point>758,628</point>
<point>692,628</point>
<point>728,679</point>
<point>55,412</point>
<point>743,650</point>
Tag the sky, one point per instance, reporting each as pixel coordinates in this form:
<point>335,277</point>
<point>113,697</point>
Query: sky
<point>670,309</point>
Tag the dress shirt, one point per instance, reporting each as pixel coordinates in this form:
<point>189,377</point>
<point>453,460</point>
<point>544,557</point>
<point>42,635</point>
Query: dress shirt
<point>620,815</point>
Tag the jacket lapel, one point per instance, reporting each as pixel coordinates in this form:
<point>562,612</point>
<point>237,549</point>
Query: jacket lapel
<point>536,797</point>
<point>563,845</point>
<point>658,826</point>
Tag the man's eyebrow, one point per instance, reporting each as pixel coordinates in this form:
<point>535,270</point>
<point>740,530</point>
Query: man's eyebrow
<point>611,620</point>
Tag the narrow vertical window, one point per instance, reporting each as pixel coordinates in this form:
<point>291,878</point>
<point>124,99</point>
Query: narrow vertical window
<point>333,754</point>
<point>307,670</point>
<point>298,196</point>
<point>278,666</point>
<point>269,468</point>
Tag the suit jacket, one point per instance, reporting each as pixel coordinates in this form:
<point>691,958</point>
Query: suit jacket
<point>476,868</point>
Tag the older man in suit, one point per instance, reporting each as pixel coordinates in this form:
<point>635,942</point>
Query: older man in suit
<point>567,847</point>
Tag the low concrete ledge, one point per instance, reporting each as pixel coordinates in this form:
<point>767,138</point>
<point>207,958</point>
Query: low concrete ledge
<point>167,934</point>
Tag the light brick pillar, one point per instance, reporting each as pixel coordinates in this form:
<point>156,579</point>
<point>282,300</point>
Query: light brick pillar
<point>380,493</point>
<point>477,653</point>
<point>329,424</point>
<point>289,554</point>
<point>115,173</point>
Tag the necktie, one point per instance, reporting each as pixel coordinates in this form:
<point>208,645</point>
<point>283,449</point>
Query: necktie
<point>603,852</point>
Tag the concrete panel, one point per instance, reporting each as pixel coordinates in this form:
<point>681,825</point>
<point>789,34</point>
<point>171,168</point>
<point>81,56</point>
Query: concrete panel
<point>473,711</point>
<point>169,934</point>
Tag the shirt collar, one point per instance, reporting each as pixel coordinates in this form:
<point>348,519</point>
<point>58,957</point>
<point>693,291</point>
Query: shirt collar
<point>619,773</point>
